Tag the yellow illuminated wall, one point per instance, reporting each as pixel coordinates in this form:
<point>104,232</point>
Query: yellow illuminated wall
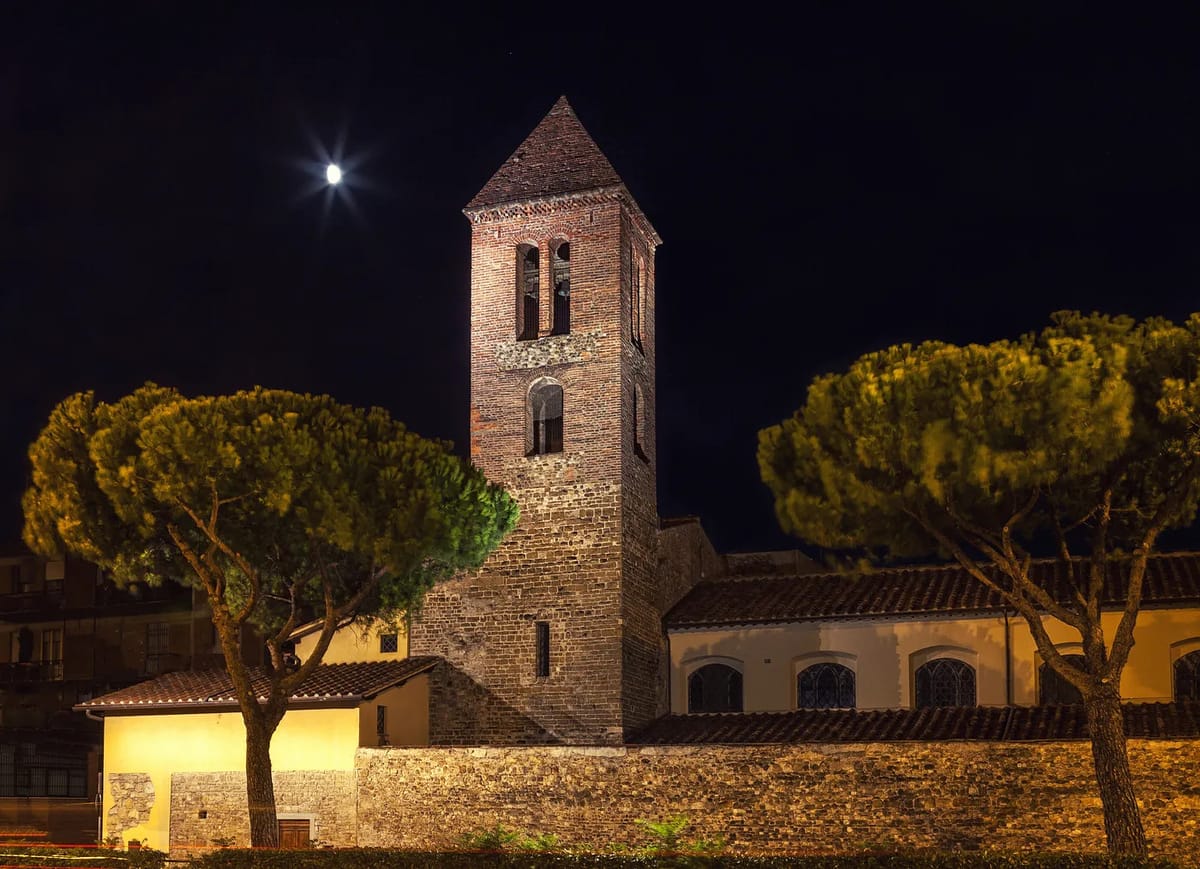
<point>406,718</point>
<point>307,739</point>
<point>356,642</point>
<point>885,653</point>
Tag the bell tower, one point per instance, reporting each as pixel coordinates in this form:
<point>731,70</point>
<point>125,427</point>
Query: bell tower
<point>558,637</point>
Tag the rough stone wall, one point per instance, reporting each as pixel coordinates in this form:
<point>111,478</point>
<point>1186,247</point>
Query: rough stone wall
<point>685,557</point>
<point>327,797</point>
<point>643,650</point>
<point>779,799</point>
<point>564,564</point>
<point>130,799</point>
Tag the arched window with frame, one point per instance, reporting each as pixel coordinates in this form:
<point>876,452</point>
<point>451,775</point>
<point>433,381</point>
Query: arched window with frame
<point>528,289</point>
<point>825,686</point>
<point>1054,690</point>
<point>562,289</point>
<point>546,418</point>
<point>715,688</point>
<point>945,682</point>
<point>1187,676</point>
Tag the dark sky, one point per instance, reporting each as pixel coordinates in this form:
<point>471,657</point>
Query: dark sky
<point>824,186</point>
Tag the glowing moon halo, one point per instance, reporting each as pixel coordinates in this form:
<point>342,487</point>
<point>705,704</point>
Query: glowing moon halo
<point>333,173</point>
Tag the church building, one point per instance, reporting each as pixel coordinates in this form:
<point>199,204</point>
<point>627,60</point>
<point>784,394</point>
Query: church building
<point>598,627</point>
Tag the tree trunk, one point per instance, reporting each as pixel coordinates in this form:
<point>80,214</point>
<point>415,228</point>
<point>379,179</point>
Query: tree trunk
<point>1122,817</point>
<point>260,787</point>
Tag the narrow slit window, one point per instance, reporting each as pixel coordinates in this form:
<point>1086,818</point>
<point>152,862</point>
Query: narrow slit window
<point>546,413</point>
<point>543,649</point>
<point>381,730</point>
<point>639,423</point>
<point>562,289</point>
<point>528,283</point>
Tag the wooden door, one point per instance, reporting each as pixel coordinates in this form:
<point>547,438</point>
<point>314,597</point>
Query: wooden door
<point>294,834</point>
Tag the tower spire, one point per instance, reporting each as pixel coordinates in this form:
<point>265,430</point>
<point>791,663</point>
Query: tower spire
<point>559,157</point>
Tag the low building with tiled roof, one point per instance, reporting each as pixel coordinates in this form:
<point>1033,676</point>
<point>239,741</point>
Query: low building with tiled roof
<point>911,637</point>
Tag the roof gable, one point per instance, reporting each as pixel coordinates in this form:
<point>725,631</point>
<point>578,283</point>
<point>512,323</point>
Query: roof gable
<point>557,158</point>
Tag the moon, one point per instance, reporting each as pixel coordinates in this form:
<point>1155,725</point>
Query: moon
<point>333,173</point>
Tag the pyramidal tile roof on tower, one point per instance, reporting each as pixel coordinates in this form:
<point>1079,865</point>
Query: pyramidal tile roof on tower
<point>557,158</point>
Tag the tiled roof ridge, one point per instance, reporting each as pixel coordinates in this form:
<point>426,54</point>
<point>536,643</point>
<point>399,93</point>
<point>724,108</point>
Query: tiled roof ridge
<point>909,590</point>
<point>343,680</point>
<point>1153,720</point>
<point>878,570</point>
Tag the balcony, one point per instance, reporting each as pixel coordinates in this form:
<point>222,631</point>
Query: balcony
<point>31,602</point>
<point>30,672</point>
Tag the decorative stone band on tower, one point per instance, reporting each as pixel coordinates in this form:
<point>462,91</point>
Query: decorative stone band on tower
<point>562,414</point>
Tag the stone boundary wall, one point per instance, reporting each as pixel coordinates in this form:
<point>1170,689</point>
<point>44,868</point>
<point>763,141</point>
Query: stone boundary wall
<point>779,799</point>
<point>325,797</point>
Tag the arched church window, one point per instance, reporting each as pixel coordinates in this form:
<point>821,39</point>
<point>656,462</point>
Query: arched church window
<point>1054,690</point>
<point>1187,676</point>
<point>715,688</point>
<point>945,682</point>
<point>562,289</point>
<point>825,686</point>
<point>528,283</point>
<point>546,415</point>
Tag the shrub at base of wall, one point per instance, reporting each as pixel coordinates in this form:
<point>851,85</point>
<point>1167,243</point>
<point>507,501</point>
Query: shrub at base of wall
<point>372,859</point>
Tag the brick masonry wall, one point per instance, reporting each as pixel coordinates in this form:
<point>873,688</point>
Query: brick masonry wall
<point>643,651</point>
<point>583,554</point>
<point>779,799</point>
<point>326,797</point>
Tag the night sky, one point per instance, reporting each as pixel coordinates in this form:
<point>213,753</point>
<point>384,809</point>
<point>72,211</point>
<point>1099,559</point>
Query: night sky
<point>824,186</point>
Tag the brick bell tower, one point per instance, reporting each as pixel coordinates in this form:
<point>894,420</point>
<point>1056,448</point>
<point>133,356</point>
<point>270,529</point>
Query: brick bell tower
<point>558,639</point>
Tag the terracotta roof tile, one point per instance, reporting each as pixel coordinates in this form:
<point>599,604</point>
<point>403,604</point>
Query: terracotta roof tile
<point>558,157</point>
<point>329,683</point>
<point>1170,579</point>
<point>983,723</point>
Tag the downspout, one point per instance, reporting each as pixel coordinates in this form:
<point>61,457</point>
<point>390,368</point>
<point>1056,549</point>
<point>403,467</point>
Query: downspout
<point>1008,668</point>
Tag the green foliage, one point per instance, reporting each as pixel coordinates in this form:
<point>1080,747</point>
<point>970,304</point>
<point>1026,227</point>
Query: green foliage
<point>1082,439</point>
<point>541,843</point>
<point>280,507</point>
<point>295,493</point>
<point>108,857</point>
<point>667,838</point>
<point>1090,403</point>
<point>496,838</point>
<point>500,838</point>
<point>666,834</point>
